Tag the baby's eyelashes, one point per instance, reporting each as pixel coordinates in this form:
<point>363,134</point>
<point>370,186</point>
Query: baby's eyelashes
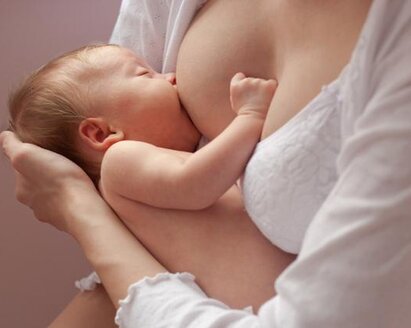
<point>143,72</point>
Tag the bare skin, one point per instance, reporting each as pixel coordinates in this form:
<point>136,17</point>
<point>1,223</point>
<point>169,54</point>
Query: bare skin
<point>285,40</point>
<point>94,310</point>
<point>228,269</point>
<point>142,172</point>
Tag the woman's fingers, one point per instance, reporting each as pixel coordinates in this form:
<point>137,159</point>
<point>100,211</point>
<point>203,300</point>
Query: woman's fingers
<point>22,190</point>
<point>9,143</point>
<point>45,181</point>
<point>22,156</point>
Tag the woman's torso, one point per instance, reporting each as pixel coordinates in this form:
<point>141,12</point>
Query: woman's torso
<point>304,45</point>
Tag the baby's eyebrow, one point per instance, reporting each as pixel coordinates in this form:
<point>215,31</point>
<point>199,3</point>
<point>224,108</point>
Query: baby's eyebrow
<point>127,64</point>
<point>142,62</point>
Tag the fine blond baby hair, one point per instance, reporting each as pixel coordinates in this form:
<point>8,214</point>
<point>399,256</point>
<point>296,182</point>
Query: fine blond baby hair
<point>47,108</point>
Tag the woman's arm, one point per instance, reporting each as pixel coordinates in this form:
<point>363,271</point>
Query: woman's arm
<point>121,261</point>
<point>167,179</point>
<point>61,194</point>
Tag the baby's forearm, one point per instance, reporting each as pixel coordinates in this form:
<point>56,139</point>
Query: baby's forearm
<point>215,168</point>
<point>212,170</point>
<point>169,179</point>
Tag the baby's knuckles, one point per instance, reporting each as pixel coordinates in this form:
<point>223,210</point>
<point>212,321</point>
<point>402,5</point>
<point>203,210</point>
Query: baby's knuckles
<point>252,94</point>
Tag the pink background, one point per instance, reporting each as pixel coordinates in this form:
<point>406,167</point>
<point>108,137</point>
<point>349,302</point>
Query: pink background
<point>39,264</point>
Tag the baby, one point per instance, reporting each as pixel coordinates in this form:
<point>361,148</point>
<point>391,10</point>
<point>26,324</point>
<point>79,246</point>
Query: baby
<point>111,113</point>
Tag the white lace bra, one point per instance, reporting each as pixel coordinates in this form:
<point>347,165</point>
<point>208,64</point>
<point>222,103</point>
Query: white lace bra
<point>293,170</point>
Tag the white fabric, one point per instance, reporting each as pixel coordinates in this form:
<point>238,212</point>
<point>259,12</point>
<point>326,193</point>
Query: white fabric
<point>154,29</point>
<point>88,283</point>
<point>293,170</point>
<point>354,265</point>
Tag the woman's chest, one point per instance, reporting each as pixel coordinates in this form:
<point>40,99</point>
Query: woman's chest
<point>222,40</point>
<point>206,67</point>
<point>228,37</point>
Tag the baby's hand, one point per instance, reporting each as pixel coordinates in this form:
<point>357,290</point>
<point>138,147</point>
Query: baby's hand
<point>251,95</point>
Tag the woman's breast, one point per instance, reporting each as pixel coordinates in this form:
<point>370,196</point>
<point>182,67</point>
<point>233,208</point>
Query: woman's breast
<point>223,39</point>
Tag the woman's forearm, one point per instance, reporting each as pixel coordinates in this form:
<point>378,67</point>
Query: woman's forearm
<point>116,255</point>
<point>61,194</point>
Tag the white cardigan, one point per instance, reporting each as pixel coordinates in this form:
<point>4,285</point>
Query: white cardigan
<point>355,263</point>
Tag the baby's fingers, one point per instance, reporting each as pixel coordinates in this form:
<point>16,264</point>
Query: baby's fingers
<point>272,84</point>
<point>237,78</point>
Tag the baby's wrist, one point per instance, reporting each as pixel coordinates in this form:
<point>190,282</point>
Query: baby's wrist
<point>252,112</point>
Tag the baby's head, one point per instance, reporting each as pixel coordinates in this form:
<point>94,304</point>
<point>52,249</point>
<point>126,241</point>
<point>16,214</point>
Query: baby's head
<point>82,102</point>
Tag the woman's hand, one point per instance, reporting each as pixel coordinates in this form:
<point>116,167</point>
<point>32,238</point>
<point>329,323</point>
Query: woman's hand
<point>45,181</point>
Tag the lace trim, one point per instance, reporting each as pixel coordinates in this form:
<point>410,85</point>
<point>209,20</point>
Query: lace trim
<point>88,283</point>
<point>133,289</point>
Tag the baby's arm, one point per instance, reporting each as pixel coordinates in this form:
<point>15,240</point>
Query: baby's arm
<point>171,179</point>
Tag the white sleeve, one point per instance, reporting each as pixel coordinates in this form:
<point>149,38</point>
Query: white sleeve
<point>154,29</point>
<point>174,300</point>
<point>354,267</point>
<point>142,26</point>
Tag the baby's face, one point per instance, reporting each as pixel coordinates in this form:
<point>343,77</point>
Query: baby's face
<point>142,103</point>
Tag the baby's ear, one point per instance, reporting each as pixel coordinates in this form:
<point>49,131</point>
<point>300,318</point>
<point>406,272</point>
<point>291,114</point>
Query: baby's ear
<point>96,133</point>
